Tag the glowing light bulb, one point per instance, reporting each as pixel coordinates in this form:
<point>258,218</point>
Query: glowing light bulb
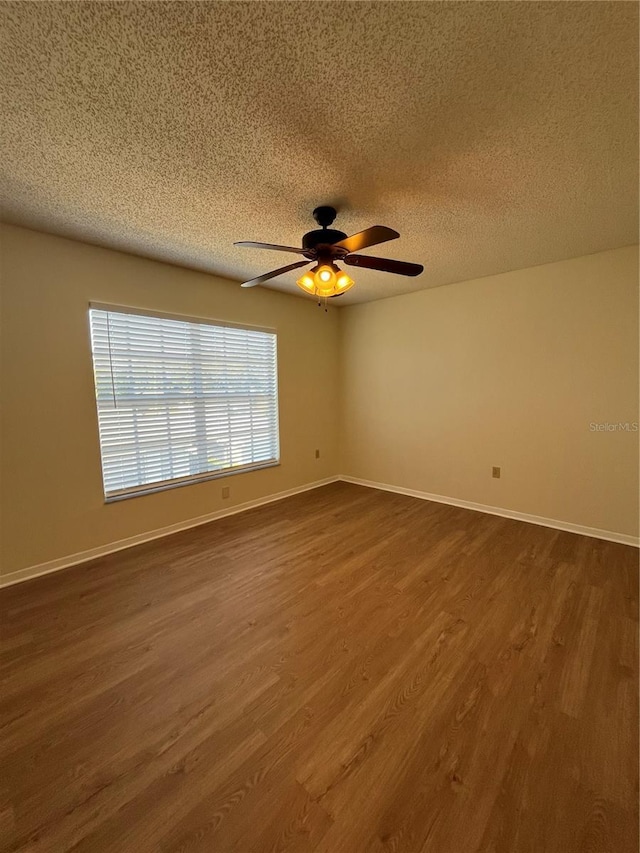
<point>307,283</point>
<point>343,282</point>
<point>325,280</point>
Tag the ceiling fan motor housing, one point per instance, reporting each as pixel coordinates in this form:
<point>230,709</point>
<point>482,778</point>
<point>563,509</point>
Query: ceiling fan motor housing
<point>322,236</point>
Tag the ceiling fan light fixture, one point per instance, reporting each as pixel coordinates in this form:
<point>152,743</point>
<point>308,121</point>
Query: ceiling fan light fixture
<point>325,280</point>
<point>343,283</point>
<point>326,246</point>
<point>325,274</point>
<point>307,283</point>
<point>324,287</point>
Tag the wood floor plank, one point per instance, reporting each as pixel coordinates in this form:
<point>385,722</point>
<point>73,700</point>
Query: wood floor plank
<point>344,671</point>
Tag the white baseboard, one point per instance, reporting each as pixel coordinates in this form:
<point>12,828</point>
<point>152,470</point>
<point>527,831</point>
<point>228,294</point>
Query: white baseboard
<point>594,532</point>
<point>120,545</point>
<point>103,550</point>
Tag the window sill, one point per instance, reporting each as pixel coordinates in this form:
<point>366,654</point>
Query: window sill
<point>165,485</point>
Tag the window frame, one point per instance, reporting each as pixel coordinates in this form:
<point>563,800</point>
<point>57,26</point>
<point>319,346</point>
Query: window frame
<point>191,479</point>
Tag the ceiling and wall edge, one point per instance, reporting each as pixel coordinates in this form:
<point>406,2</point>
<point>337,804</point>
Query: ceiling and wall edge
<point>299,294</point>
<point>500,135</point>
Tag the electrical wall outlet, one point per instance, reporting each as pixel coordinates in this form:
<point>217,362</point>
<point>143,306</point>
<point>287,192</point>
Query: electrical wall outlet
<point>225,491</point>
<point>317,454</point>
<point>495,472</point>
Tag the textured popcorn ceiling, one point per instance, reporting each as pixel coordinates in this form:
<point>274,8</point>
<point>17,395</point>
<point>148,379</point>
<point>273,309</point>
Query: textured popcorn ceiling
<point>493,136</point>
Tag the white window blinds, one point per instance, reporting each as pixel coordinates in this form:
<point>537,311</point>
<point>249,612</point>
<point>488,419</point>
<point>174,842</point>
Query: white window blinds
<point>181,400</point>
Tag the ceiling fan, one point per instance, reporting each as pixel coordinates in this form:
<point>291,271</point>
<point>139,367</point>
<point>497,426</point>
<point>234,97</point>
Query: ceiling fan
<point>324,247</point>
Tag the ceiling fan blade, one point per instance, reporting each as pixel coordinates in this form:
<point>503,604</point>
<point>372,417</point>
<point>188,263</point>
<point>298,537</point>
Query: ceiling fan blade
<point>270,246</point>
<point>266,276</point>
<point>369,237</point>
<point>383,264</point>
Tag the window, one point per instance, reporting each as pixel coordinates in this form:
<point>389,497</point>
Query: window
<point>181,400</point>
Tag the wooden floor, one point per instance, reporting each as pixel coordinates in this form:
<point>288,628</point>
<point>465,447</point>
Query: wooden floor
<point>346,671</point>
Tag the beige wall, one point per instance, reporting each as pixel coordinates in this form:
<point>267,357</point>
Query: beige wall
<point>52,500</point>
<point>435,388</point>
<point>510,370</point>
